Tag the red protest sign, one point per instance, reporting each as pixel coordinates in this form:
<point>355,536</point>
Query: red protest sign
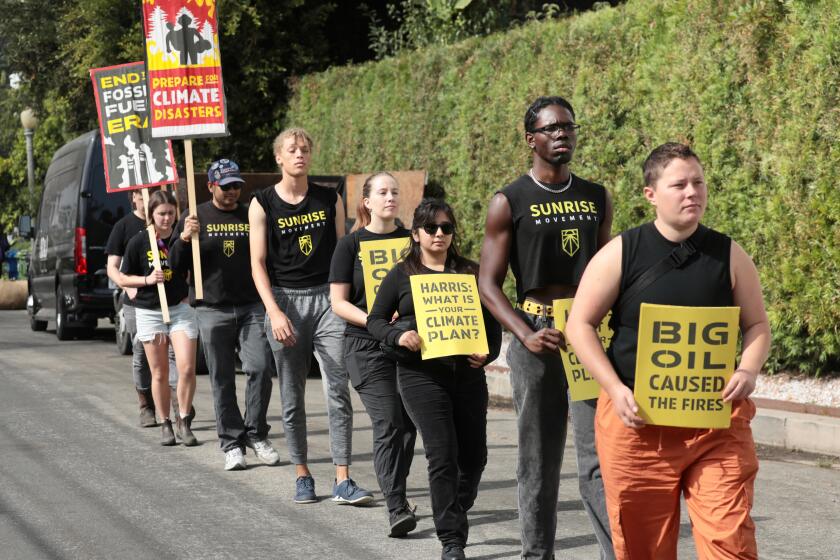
<point>184,68</point>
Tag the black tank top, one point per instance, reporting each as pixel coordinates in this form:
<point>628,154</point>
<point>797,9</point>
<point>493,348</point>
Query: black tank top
<point>554,234</point>
<point>301,237</point>
<point>704,281</point>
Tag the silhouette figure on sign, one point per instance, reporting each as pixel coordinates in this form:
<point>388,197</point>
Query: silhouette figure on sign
<point>186,40</point>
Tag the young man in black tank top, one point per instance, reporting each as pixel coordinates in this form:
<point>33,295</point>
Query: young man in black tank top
<point>546,226</point>
<point>295,226</point>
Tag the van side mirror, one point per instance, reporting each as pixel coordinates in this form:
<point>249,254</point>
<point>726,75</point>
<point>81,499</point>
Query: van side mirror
<point>25,228</point>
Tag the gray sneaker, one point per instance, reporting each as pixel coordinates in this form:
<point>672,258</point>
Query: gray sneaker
<point>235,460</point>
<point>265,452</point>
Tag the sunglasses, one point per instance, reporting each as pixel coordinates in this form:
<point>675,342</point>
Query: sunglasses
<point>446,227</point>
<point>234,185</point>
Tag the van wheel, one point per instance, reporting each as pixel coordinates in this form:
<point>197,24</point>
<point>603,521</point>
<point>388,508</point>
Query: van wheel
<point>62,331</point>
<point>123,337</point>
<point>36,324</point>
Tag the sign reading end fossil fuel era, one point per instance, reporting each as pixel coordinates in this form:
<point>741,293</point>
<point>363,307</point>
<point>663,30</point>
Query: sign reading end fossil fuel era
<point>378,257</point>
<point>132,159</point>
<point>582,386</point>
<point>449,319</point>
<point>685,357</point>
<point>184,69</point>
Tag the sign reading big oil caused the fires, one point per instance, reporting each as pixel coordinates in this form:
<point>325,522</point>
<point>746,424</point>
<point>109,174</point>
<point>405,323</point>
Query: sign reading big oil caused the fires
<point>132,158</point>
<point>448,311</point>
<point>685,357</point>
<point>378,257</point>
<point>184,68</point>
<point>582,386</point>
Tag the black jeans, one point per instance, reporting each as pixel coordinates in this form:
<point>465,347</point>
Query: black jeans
<point>375,379</point>
<point>447,400</point>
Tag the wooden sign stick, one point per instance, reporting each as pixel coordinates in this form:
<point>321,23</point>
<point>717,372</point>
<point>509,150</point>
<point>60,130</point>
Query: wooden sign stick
<point>150,228</point>
<point>199,289</point>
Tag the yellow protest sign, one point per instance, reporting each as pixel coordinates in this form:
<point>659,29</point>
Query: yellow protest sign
<point>582,386</point>
<point>378,257</point>
<point>449,319</point>
<point>685,357</point>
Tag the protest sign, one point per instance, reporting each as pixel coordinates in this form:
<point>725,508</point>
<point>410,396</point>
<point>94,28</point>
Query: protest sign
<point>684,359</point>
<point>582,386</point>
<point>132,159</point>
<point>184,67</point>
<point>378,257</point>
<point>448,311</point>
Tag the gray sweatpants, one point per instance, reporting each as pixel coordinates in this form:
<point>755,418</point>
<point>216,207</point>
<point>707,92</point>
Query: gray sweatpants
<point>139,364</point>
<point>540,397</point>
<point>316,328</point>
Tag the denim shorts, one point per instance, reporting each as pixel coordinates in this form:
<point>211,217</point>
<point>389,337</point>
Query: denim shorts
<point>181,318</point>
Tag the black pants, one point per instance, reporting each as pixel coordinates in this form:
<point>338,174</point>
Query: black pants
<point>447,400</point>
<point>374,377</point>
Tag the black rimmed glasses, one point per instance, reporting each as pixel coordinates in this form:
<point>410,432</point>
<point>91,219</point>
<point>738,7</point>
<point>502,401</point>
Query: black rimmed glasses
<point>554,129</point>
<point>446,227</point>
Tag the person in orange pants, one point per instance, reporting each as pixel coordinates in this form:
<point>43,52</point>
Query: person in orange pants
<point>646,468</point>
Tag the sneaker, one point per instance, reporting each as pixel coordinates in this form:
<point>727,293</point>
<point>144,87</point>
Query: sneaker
<point>452,552</point>
<point>167,436</point>
<point>349,493</point>
<point>235,460</point>
<point>305,490</point>
<point>403,521</point>
<point>265,452</point>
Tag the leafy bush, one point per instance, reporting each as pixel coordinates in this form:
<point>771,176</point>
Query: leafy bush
<point>752,85</point>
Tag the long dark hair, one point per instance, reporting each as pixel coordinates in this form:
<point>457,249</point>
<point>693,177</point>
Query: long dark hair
<point>362,213</point>
<point>425,213</point>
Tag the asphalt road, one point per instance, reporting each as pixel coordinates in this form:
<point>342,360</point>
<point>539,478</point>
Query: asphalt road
<point>79,479</point>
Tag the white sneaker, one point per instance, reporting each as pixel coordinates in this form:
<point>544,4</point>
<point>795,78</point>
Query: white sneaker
<point>234,460</point>
<point>265,452</point>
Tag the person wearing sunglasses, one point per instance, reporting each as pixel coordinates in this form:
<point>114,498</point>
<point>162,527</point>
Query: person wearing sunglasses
<point>230,316</point>
<point>445,397</point>
<point>546,225</point>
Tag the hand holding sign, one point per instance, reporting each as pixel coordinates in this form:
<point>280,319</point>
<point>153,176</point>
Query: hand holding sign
<point>410,340</point>
<point>582,386</point>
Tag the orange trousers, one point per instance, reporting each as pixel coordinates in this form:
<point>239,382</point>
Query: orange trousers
<point>646,470</point>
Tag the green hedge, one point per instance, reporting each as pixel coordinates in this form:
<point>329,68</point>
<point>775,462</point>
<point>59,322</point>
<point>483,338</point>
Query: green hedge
<point>752,85</point>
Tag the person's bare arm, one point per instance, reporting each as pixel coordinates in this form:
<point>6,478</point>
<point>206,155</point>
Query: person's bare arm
<point>340,226</point>
<point>341,305</point>
<point>281,327</point>
<point>755,327</point>
<point>495,258</point>
<point>605,229</point>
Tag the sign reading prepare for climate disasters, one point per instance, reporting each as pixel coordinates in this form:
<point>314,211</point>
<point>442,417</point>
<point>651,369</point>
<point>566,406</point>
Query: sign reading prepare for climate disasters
<point>449,319</point>
<point>184,69</point>
<point>131,157</point>
<point>685,357</point>
<point>582,386</point>
<point>378,257</point>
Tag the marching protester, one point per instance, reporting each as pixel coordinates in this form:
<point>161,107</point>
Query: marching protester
<point>138,272</point>
<point>546,225</point>
<point>372,374</point>
<point>446,397</point>
<point>126,228</point>
<point>647,467</point>
<point>230,316</point>
<point>295,226</point>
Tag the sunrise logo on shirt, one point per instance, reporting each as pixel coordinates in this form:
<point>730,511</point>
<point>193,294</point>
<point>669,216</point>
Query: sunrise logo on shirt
<point>305,244</point>
<point>570,239</point>
<point>228,247</point>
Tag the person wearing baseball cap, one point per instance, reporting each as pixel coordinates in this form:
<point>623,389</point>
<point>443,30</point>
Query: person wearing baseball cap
<point>230,314</point>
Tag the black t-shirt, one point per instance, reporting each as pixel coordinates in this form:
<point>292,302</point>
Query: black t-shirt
<point>122,232</point>
<point>301,237</point>
<point>554,234</point>
<point>225,256</point>
<point>137,261</point>
<point>346,268</point>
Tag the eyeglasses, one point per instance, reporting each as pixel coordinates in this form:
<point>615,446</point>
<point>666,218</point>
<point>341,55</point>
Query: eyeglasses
<point>446,227</point>
<point>235,185</point>
<point>554,129</point>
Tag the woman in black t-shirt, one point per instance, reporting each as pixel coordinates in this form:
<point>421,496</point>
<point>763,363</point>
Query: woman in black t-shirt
<point>138,272</point>
<point>372,374</point>
<point>446,397</point>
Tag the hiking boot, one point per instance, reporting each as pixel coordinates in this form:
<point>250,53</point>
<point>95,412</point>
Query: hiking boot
<point>452,552</point>
<point>182,429</point>
<point>265,452</point>
<point>173,398</point>
<point>348,493</point>
<point>147,408</point>
<point>167,436</point>
<point>402,521</point>
<point>235,460</point>
<point>305,490</point>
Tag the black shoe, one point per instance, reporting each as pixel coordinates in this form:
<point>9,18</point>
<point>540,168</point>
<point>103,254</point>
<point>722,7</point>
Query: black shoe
<point>403,521</point>
<point>452,552</point>
<point>182,428</point>
<point>167,437</point>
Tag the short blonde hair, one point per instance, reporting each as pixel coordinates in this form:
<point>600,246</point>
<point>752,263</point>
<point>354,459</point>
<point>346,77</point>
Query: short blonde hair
<point>294,132</point>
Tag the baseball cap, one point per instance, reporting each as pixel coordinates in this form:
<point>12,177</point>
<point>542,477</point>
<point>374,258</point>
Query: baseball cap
<point>223,172</point>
